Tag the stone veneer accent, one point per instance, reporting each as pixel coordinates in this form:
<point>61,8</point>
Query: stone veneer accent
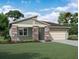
<point>35,33</point>
<point>14,33</point>
<point>47,35</point>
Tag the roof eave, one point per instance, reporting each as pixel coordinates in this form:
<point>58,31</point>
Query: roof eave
<point>19,20</point>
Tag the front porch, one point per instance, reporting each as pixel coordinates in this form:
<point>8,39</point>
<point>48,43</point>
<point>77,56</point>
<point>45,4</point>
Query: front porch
<point>30,33</point>
<point>24,33</point>
<point>34,33</point>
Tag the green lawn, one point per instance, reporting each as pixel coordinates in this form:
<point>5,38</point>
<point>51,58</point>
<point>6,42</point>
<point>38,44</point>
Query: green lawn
<point>37,51</point>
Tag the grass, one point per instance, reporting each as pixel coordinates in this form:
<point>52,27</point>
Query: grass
<point>37,51</point>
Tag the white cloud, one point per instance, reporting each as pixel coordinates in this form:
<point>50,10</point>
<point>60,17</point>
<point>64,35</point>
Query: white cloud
<point>53,16</point>
<point>31,14</point>
<point>71,7</point>
<point>47,9</point>
<point>6,8</point>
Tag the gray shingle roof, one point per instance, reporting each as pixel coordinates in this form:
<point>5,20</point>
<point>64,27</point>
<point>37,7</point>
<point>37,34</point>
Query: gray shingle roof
<point>23,19</point>
<point>51,25</point>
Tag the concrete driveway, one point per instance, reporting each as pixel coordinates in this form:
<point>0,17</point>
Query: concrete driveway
<point>69,42</point>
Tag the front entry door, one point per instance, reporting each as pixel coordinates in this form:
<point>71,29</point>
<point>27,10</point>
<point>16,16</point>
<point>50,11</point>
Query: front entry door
<point>41,33</point>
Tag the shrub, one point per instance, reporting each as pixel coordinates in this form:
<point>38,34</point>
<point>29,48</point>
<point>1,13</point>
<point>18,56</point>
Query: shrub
<point>73,37</point>
<point>2,40</point>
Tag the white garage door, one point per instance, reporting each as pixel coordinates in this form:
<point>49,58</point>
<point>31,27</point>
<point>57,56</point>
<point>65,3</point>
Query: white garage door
<point>59,35</point>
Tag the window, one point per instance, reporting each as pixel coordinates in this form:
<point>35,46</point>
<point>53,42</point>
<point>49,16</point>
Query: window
<point>25,31</point>
<point>20,32</point>
<point>29,31</point>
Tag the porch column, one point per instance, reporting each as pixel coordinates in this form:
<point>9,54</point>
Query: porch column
<point>35,34</point>
<point>46,34</point>
<point>14,33</point>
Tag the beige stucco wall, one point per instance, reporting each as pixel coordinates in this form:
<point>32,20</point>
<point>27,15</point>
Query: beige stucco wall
<point>59,34</point>
<point>56,33</point>
<point>29,23</point>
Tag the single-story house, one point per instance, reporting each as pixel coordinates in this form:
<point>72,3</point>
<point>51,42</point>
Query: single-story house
<point>31,28</point>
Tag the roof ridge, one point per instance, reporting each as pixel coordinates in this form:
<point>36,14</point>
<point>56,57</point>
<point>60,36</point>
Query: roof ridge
<point>52,23</point>
<point>22,19</point>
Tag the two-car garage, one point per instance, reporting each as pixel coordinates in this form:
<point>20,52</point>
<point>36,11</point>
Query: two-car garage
<point>57,34</point>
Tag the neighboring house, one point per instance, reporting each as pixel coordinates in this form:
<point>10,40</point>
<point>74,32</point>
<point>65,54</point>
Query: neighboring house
<point>31,28</point>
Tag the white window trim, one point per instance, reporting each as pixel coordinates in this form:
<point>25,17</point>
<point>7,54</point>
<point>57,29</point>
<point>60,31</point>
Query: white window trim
<point>23,32</point>
<point>27,31</point>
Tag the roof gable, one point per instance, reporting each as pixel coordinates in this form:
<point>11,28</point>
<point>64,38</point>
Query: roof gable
<point>29,21</point>
<point>24,19</point>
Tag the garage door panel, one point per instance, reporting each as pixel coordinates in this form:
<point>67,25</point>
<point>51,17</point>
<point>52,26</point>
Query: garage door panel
<point>58,35</point>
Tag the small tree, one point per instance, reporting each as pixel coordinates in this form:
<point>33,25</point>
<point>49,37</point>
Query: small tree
<point>74,24</point>
<point>14,14</point>
<point>69,19</point>
<point>64,18</point>
<point>4,30</point>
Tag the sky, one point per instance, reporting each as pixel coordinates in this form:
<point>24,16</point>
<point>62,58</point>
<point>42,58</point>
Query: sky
<point>47,10</point>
